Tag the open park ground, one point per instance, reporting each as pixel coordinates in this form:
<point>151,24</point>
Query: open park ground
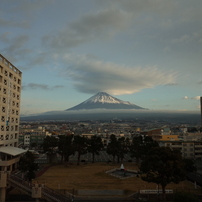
<point>93,176</point>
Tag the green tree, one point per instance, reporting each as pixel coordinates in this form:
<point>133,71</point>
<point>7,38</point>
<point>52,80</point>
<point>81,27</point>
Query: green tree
<point>80,146</point>
<point>95,145</point>
<point>148,144</point>
<point>163,166</point>
<point>27,165</point>
<point>65,147</point>
<point>122,148</point>
<point>141,146</point>
<point>112,147</point>
<point>136,148</point>
<point>50,145</point>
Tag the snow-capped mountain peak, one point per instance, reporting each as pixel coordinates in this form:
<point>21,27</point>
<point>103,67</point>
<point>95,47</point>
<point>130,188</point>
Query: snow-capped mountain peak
<point>103,100</point>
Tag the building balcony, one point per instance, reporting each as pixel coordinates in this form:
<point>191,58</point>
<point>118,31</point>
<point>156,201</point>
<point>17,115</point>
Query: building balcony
<point>9,161</point>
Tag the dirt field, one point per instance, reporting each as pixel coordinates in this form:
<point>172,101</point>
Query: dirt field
<point>93,176</point>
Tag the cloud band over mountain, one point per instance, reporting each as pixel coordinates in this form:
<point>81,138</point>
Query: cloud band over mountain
<point>91,76</point>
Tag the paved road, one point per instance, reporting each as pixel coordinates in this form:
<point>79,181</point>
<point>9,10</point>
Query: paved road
<point>103,157</point>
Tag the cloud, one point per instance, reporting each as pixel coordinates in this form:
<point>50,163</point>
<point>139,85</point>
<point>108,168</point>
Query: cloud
<point>193,98</point>
<point>101,24</point>
<point>17,43</point>
<point>57,86</point>
<point>92,76</point>
<point>12,23</point>
<point>185,98</point>
<point>16,47</point>
<point>196,98</point>
<point>172,84</point>
<point>25,10</point>
<point>34,86</point>
<point>157,6</point>
<point>182,39</point>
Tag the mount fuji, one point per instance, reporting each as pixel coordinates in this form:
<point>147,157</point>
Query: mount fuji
<point>103,106</point>
<point>103,100</point>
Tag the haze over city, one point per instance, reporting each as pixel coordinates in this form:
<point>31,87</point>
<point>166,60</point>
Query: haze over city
<point>144,52</point>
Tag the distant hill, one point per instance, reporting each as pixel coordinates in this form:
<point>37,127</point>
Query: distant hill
<point>107,115</point>
<point>103,106</point>
<point>103,100</point>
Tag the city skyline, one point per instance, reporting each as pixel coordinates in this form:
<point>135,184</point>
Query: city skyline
<point>144,52</point>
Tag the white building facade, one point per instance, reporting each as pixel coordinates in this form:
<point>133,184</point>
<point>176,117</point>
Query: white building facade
<point>10,91</point>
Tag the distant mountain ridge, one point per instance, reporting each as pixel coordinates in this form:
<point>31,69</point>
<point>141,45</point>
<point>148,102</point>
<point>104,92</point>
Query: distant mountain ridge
<point>103,100</point>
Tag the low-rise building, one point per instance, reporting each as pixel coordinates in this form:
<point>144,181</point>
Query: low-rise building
<point>188,149</point>
<point>30,136</point>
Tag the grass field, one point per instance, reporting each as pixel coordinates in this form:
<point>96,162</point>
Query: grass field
<point>93,176</point>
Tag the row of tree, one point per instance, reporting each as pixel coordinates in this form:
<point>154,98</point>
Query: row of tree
<point>69,145</point>
<point>117,147</point>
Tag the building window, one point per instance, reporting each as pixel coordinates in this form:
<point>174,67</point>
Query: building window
<point>3,118</point>
<point>11,75</point>
<point>7,128</point>
<point>3,109</point>
<point>16,128</point>
<point>6,73</point>
<point>2,128</point>
<point>4,100</point>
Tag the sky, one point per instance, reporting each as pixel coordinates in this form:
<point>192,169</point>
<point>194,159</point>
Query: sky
<point>146,52</point>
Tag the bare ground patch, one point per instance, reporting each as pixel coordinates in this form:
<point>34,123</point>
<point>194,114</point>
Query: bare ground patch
<point>93,176</point>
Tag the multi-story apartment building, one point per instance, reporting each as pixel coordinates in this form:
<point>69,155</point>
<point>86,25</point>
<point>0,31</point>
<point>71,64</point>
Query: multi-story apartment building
<point>10,90</point>
<point>30,136</point>
<point>189,149</point>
